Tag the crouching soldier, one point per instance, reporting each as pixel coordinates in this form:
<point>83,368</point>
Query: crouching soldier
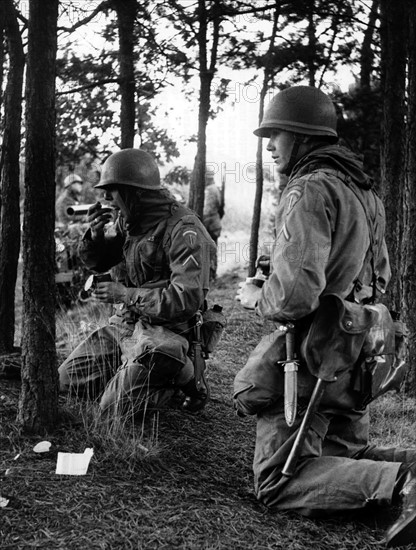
<point>310,381</point>
<point>159,256</point>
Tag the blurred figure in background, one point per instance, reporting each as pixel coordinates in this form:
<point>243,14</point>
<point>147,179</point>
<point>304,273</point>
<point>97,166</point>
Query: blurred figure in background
<point>89,170</point>
<point>70,195</point>
<point>213,213</point>
<point>177,181</point>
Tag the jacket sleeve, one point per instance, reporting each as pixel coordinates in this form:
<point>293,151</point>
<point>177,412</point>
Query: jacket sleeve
<point>189,252</point>
<point>322,237</point>
<point>299,256</point>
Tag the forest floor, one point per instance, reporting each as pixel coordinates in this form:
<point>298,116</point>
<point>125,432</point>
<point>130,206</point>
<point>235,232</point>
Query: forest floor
<point>176,481</point>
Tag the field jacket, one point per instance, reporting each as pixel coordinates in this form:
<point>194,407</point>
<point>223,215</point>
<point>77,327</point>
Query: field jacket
<point>322,235</point>
<point>166,269</point>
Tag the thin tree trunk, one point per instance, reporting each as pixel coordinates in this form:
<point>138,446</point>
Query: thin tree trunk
<point>311,43</point>
<point>10,190</point>
<point>126,14</point>
<point>38,404</point>
<point>206,74</point>
<point>367,53</point>
<point>255,223</point>
<point>366,91</point>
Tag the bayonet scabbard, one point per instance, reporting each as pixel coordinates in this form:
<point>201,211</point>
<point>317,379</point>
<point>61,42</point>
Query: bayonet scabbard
<point>291,376</point>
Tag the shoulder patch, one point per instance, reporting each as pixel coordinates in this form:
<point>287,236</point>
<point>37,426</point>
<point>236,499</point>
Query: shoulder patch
<point>292,198</point>
<point>189,236</point>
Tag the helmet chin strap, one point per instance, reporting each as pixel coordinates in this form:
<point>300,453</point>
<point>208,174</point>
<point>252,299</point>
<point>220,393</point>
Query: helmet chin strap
<point>299,138</point>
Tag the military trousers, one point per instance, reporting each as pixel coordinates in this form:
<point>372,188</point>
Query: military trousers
<point>338,470</point>
<point>98,369</point>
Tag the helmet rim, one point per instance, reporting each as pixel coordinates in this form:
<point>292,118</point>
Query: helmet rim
<point>130,167</point>
<point>302,110</point>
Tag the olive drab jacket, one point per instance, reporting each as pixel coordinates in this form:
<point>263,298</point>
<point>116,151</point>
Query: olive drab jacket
<point>323,236</point>
<point>165,266</point>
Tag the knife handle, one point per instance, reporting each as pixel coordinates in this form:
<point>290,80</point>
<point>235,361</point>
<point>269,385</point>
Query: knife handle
<point>290,344</point>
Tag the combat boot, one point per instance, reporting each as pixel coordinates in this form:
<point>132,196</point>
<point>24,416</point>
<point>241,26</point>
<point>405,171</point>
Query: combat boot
<point>403,531</point>
<point>196,398</point>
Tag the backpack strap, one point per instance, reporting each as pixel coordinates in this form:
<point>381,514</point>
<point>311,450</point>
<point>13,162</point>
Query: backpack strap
<point>372,223</point>
<point>178,211</point>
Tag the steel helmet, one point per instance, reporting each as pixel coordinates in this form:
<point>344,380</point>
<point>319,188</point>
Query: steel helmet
<point>301,110</point>
<point>132,167</point>
<point>70,179</point>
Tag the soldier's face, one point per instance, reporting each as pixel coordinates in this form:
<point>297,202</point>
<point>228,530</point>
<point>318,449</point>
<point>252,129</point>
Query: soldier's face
<point>280,145</point>
<point>112,196</point>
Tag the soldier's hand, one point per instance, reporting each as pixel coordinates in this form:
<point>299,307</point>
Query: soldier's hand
<point>248,294</point>
<point>110,292</point>
<point>98,216</point>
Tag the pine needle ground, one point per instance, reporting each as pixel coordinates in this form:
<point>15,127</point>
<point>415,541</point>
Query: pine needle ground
<point>180,481</point>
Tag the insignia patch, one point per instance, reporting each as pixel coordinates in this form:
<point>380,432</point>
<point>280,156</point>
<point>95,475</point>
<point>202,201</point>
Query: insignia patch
<point>191,259</point>
<point>284,231</point>
<point>292,198</point>
<point>190,237</point>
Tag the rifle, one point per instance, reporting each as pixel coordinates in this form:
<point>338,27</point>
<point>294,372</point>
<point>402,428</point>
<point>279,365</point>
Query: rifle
<point>197,354</point>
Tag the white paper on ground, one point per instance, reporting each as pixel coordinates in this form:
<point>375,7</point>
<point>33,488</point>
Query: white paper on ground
<point>42,447</point>
<point>4,502</point>
<point>74,464</point>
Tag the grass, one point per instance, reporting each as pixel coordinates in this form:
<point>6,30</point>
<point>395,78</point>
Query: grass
<point>176,481</point>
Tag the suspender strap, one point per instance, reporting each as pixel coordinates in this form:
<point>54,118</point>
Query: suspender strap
<point>372,224</point>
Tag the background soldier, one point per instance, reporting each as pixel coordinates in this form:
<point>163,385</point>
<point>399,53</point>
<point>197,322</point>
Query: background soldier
<point>70,195</point>
<point>212,215</point>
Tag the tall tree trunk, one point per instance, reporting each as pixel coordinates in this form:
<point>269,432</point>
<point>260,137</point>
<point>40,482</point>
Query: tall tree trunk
<point>126,14</point>
<point>367,53</point>
<point>9,171</point>
<point>38,405</point>
<point>311,43</point>
<point>2,51</point>
<point>409,222</point>
<point>258,197</point>
<point>255,222</point>
<point>206,74</point>
<point>367,92</point>
<point>393,40</point>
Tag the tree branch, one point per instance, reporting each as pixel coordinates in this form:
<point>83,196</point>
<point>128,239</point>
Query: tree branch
<point>90,85</point>
<point>101,7</point>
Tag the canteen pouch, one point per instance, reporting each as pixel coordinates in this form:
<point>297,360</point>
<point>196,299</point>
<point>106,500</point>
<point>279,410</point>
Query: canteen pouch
<point>382,367</point>
<point>213,324</point>
<point>360,338</point>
